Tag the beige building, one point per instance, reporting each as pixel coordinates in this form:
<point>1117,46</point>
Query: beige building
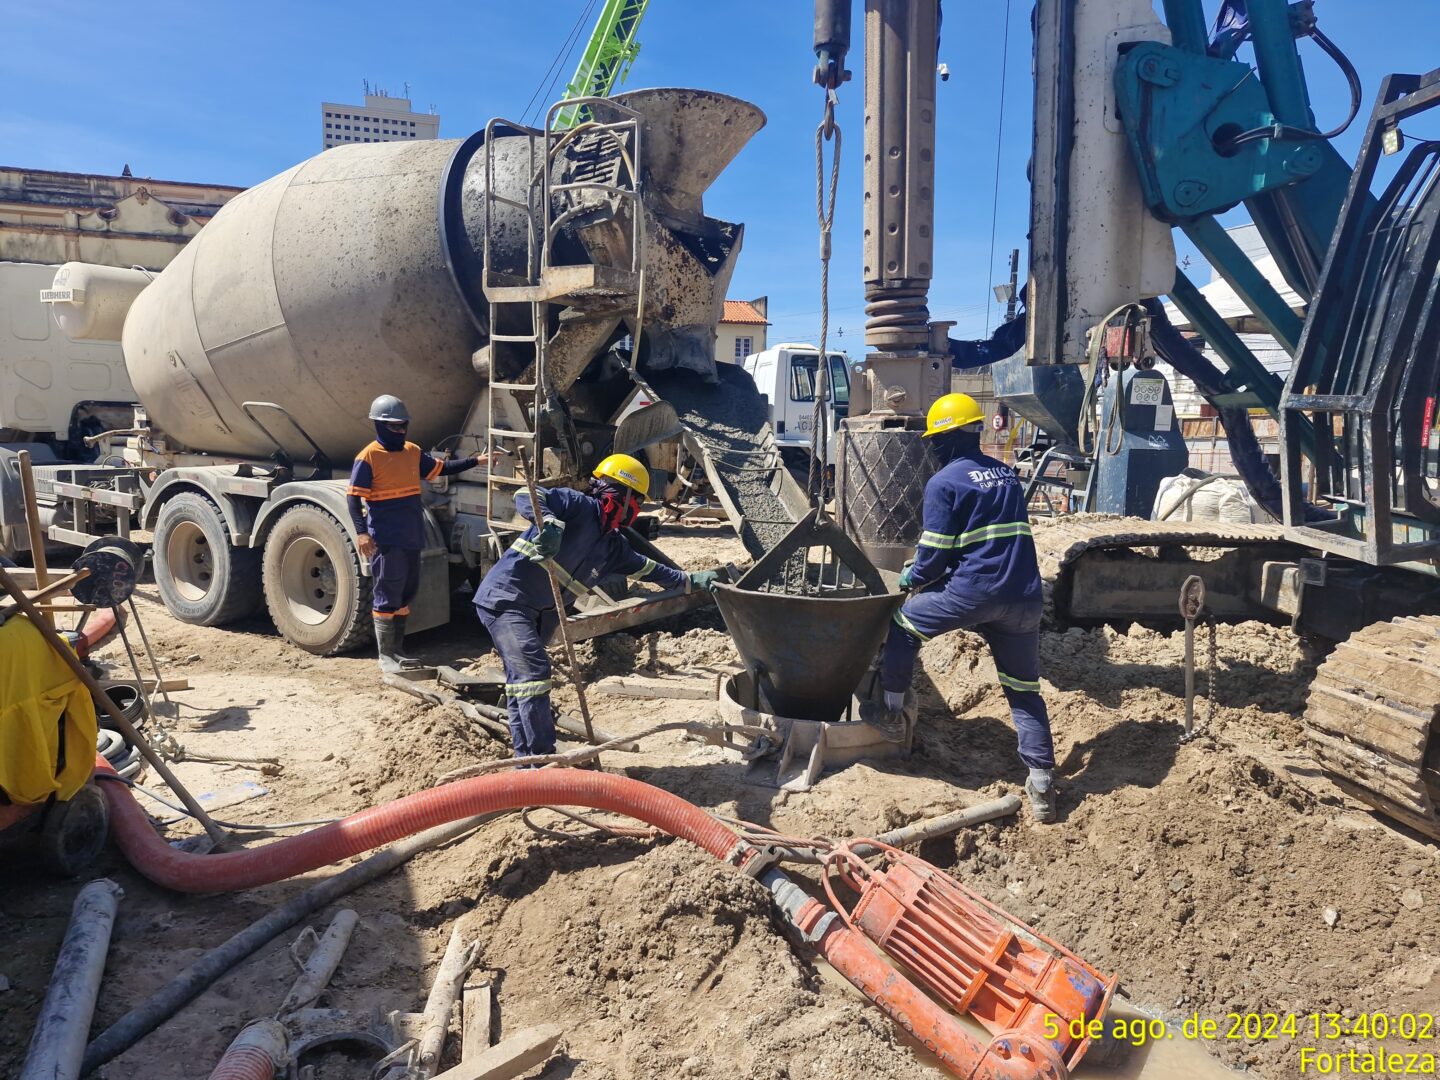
<point>56,217</point>
<point>50,386</point>
<point>381,119</point>
<point>741,331</point>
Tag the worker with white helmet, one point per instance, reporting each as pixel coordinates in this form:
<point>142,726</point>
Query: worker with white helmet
<point>384,501</point>
<point>975,569</point>
<point>579,536</point>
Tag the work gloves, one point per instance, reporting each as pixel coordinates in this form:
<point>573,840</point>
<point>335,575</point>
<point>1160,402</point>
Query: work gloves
<point>907,574</point>
<point>704,579</point>
<point>547,544</point>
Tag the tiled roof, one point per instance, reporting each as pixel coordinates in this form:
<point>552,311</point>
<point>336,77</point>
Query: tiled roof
<point>742,311</point>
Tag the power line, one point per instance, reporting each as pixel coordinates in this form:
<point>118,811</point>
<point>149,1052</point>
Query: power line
<point>558,62</point>
<point>999,136</point>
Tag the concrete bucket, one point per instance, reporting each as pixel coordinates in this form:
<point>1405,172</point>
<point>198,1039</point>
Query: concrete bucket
<point>807,632</point>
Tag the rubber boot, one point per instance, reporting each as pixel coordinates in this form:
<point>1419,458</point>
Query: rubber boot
<point>1043,801</point>
<point>385,645</point>
<point>892,721</point>
<point>405,661</point>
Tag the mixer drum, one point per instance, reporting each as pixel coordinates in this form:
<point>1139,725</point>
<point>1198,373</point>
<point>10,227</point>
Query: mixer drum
<point>319,289</point>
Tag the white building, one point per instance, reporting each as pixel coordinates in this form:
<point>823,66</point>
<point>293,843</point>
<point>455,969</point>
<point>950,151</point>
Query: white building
<point>381,119</point>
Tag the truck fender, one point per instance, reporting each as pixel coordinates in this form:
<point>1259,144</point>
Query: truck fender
<point>329,495</point>
<point>238,511</point>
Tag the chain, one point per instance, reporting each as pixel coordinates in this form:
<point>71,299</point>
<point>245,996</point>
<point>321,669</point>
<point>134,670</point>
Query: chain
<point>827,131</point>
<point>1210,677</point>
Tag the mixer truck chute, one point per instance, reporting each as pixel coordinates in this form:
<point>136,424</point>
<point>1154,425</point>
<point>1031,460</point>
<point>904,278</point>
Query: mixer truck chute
<point>492,280</point>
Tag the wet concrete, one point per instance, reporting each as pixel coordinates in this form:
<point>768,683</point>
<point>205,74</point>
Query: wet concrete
<point>727,417</point>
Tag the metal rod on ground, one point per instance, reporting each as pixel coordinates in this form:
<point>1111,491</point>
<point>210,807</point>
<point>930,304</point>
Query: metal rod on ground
<point>32,528</point>
<point>194,980</point>
<point>135,667</point>
<point>150,653</point>
<point>575,680</point>
<point>444,992</point>
<point>58,1044</point>
<point>1192,606</point>
<point>112,710</point>
<point>918,831</point>
<point>567,724</point>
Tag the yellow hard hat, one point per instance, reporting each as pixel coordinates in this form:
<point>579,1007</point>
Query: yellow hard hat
<point>952,412</point>
<point>624,469</point>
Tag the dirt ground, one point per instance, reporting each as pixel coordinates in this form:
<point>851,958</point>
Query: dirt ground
<point>1221,875</point>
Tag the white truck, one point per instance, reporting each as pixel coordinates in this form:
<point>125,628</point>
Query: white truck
<point>788,375</point>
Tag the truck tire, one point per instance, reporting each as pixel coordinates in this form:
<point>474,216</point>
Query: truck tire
<point>203,578</point>
<point>314,589</point>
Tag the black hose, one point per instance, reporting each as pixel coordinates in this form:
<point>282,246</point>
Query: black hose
<point>193,981</point>
<point>1287,131</point>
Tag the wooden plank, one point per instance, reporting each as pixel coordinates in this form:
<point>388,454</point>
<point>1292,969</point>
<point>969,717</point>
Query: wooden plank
<point>475,1020</point>
<point>641,686</point>
<point>514,1057</point>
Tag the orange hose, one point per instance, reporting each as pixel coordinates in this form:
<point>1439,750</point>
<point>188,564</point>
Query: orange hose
<point>244,1063</point>
<point>380,825</point>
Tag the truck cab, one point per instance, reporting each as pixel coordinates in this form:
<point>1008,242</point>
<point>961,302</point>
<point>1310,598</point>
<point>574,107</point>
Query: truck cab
<point>788,375</point>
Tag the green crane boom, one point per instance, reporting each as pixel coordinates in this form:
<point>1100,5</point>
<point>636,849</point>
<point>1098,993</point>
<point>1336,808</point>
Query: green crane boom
<point>608,56</point>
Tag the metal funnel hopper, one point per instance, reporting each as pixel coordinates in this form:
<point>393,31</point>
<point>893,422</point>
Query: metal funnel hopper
<point>689,137</point>
<point>807,650</point>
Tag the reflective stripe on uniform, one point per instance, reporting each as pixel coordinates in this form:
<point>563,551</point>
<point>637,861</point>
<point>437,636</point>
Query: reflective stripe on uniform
<point>567,581</point>
<point>518,691</point>
<point>1017,684</point>
<point>650,564</point>
<point>907,625</point>
<point>1004,531</point>
<point>528,549</point>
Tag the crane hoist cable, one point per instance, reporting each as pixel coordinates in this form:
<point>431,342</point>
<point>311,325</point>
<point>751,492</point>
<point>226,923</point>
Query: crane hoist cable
<point>999,138</point>
<point>828,130</point>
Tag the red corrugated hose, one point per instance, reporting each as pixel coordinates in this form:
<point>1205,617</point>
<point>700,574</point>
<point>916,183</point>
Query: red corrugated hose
<point>1005,1058</point>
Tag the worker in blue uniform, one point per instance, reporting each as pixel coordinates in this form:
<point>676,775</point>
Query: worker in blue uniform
<point>975,569</point>
<point>384,502</point>
<point>578,536</point>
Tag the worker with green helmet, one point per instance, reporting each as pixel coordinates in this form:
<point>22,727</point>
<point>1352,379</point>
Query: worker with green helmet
<point>975,569</point>
<point>579,535</point>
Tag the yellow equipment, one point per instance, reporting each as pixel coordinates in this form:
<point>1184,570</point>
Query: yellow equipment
<point>624,469</point>
<point>47,719</point>
<point>951,412</point>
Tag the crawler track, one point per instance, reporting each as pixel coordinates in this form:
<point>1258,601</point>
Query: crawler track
<point>1371,719</point>
<point>1102,567</point>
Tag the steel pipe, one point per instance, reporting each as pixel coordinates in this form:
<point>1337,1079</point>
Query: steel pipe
<point>57,1046</point>
<point>194,980</point>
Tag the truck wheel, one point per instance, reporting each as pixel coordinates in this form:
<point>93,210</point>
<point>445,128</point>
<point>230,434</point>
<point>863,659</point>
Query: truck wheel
<point>203,577</point>
<point>313,585</point>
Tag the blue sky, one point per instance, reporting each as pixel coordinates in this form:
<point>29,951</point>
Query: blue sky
<point>230,93</point>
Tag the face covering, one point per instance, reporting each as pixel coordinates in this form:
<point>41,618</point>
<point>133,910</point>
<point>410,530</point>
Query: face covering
<point>618,507</point>
<point>390,440</point>
<point>955,444</point>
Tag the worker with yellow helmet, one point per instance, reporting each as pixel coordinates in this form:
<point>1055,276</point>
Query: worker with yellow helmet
<point>975,569</point>
<point>579,535</point>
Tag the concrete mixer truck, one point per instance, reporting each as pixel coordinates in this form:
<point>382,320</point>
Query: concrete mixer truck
<point>515,287</point>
